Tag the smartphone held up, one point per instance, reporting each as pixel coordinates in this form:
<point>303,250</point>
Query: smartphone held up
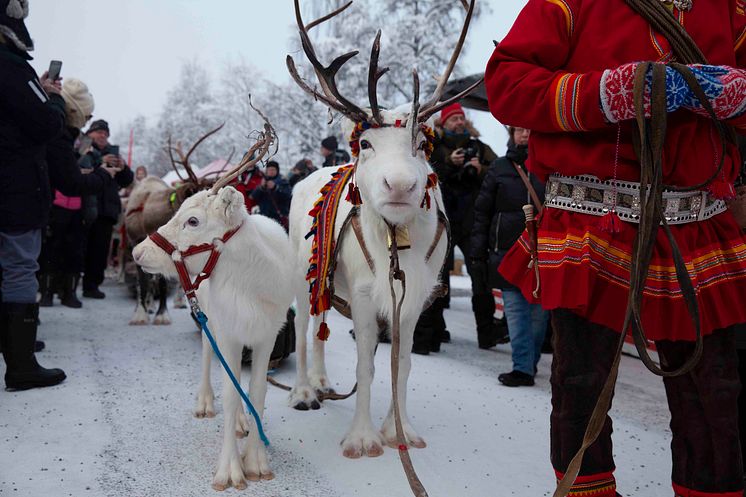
<point>55,68</point>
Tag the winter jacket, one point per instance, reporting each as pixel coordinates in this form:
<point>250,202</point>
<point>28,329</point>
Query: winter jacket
<point>498,211</point>
<point>460,184</point>
<point>109,204</point>
<point>274,203</point>
<point>29,120</point>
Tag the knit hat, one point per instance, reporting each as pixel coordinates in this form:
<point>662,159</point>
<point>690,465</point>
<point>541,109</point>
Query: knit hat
<point>451,110</point>
<point>79,102</point>
<point>12,14</point>
<point>99,125</point>
<point>330,143</point>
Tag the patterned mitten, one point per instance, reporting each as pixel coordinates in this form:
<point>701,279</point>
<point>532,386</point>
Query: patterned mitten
<point>725,88</point>
<point>617,92</point>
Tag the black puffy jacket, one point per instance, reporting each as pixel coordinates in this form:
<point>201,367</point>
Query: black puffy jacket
<point>29,120</point>
<point>109,203</point>
<point>459,188</point>
<point>498,211</point>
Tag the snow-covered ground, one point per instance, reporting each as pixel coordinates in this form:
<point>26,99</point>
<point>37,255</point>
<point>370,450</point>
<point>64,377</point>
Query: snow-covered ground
<point>122,424</point>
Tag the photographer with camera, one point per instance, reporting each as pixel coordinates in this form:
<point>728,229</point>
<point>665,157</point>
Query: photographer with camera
<point>461,161</point>
<point>107,206</point>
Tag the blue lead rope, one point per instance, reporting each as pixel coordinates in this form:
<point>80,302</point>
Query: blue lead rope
<point>202,318</point>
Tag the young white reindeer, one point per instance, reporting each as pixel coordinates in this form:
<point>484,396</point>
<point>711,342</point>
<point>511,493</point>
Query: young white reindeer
<point>392,176</point>
<point>245,296</point>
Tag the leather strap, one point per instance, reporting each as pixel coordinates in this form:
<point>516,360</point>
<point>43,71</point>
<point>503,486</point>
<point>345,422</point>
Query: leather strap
<point>358,230</point>
<point>531,191</point>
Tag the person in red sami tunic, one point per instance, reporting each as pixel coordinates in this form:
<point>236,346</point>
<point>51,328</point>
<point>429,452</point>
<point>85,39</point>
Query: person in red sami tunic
<point>249,181</point>
<point>565,70</point>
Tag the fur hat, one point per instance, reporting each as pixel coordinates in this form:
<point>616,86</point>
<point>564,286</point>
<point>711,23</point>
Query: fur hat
<point>12,14</point>
<point>99,125</point>
<point>330,143</point>
<point>79,102</point>
<point>451,110</point>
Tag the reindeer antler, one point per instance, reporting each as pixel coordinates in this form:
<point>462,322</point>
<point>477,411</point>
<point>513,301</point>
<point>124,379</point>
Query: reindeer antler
<point>184,158</point>
<point>325,75</point>
<point>433,105</point>
<point>260,148</point>
<point>374,74</point>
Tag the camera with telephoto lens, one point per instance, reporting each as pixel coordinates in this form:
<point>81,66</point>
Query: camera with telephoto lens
<point>470,150</point>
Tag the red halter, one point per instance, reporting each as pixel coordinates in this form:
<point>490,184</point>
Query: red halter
<point>190,287</point>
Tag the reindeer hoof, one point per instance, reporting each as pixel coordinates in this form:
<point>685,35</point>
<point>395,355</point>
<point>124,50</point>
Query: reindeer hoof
<point>161,321</point>
<point>301,406</point>
<point>417,443</point>
<point>315,405</point>
<point>326,391</point>
<point>219,487</point>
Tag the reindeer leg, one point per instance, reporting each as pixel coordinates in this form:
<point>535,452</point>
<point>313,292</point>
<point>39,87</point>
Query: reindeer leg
<point>180,300</point>
<point>388,430</point>
<point>162,316</point>
<point>317,375</point>
<point>302,396</point>
<point>229,470</point>
<point>255,461</point>
<point>363,438</point>
<point>140,317</point>
<point>205,397</point>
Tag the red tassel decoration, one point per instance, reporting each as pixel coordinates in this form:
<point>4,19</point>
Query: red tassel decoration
<point>610,223</point>
<point>353,194</point>
<point>324,332</point>
<point>722,190</point>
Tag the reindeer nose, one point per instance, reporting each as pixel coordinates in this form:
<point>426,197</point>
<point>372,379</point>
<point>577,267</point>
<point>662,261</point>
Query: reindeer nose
<point>400,185</point>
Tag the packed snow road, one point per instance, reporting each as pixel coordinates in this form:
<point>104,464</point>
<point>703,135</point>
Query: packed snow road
<point>122,424</point>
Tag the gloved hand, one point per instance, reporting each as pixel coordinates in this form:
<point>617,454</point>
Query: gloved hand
<point>725,88</point>
<point>617,92</point>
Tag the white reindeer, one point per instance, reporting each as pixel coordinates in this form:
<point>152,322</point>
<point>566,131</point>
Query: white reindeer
<point>392,177</point>
<point>246,299</point>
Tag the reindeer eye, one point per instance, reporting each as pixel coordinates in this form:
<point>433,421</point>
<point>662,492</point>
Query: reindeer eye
<point>193,222</point>
<point>365,144</point>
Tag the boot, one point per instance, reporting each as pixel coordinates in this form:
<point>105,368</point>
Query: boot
<point>22,371</point>
<point>483,306</point>
<point>46,288</point>
<point>423,339</point>
<point>69,286</point>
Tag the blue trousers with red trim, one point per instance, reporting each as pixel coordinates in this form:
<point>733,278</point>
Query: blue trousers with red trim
<point>705,448</point>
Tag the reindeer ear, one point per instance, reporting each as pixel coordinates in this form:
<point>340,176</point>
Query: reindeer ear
<point>231,202</point>
<point>346,126</point>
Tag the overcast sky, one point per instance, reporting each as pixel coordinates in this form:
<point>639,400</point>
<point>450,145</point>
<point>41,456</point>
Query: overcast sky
<point>130,52</point>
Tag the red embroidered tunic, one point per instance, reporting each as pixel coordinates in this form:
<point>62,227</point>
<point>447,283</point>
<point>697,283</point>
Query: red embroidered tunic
<point>545,76</point>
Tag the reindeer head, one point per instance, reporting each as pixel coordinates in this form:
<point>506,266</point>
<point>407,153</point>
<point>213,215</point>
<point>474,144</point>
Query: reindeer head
<point>206,216</point>
<point>391,169</point>
<point>202,219</point>
<point>391,147</point>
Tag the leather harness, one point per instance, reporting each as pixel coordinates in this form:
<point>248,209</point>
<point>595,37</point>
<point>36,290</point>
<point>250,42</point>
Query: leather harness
<point>353,221</point>
<point>190,287</point>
